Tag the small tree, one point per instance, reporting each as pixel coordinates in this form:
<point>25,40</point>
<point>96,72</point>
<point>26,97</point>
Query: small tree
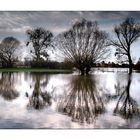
<point>8,51</point>
<point>40,40</point>
<point>126,33</point>
<point>83,45</point>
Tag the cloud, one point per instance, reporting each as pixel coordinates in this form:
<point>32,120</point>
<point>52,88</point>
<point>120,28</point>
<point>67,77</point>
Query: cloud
<point>15,23</point>
<point>18,21</point>
<point>22,29</point>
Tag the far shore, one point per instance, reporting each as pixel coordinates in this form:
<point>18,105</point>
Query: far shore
<point>45,70</point>
<point>50,71</point>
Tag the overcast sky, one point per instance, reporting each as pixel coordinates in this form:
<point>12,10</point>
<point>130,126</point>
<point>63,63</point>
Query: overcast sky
<point>16,23</point>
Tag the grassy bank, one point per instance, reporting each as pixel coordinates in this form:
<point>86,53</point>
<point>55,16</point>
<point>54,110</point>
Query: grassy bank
<point>55,71</point>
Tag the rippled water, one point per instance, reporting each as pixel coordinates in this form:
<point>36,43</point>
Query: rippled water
<point>105,99</point>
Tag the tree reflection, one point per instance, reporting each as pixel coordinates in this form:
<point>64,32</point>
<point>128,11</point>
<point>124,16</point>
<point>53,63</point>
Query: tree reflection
<point>39,98</point>
<point>7,86</point>
<point>126,106</point>
<point>83,101</point>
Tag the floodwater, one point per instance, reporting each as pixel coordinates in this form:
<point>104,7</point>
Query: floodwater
<point>108,98</point>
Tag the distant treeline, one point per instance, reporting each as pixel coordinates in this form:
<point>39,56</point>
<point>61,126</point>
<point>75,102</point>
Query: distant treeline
<point>43,64</point>
<point>68,65</point>
<point>115,65</point>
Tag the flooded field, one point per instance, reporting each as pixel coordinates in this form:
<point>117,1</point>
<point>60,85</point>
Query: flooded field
<point>105,99</point>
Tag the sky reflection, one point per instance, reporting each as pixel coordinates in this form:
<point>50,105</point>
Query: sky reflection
<point>102,100</point>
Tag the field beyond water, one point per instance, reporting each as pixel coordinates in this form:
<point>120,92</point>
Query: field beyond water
<point>54,71</point>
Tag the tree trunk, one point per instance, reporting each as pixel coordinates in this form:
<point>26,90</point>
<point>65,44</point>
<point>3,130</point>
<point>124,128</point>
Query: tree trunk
<point>130,69</point>
<point>130,64</point>
<point>87,70</point>
<point>10,64</point>
<point>37,58</point>
<point>82,72</point>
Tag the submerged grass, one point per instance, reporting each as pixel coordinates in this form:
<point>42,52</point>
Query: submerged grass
<point>35,70</point>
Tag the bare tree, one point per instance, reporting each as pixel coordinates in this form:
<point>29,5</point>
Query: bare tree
<point>40,40</point>
<point>127,33</point>
<point>83,45</point>
<point>8,49</point>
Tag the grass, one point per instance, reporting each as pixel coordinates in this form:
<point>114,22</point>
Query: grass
<point>53,71</point>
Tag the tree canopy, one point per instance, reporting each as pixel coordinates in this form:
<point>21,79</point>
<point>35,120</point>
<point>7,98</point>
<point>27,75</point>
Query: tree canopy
<point>83,45</point>
<point>40,40</point>
<point>8,51</point>
<point>126,33</point>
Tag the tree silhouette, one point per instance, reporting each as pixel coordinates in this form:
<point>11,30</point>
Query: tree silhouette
<point>83,45</point>
<point>39,99</point>
<point>82,101</point>
<point>8,49</point>
<point>126,106</point>
<point>7,88</point>
<point>40,40</point>
<point>127,33</point>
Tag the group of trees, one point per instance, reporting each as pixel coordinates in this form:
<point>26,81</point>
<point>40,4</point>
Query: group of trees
<point>85,44</point>
<point>82,46</point>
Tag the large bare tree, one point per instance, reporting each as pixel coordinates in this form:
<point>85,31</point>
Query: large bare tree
<point>83,45</point>
<point>40,40</point>
<point>126,33</point>
<point>8,51</point>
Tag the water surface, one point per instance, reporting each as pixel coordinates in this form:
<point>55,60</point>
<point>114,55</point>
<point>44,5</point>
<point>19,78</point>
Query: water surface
<point>106,99</point>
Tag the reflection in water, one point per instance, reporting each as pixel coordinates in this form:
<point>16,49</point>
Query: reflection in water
<point>82,101</point>
<point>39,98</point>
<point>126,106</point>
<point>69,101</point>
<point>7,87</point>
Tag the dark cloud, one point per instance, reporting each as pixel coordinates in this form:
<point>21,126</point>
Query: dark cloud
<point>19,21</point>
<point>16,23</point>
